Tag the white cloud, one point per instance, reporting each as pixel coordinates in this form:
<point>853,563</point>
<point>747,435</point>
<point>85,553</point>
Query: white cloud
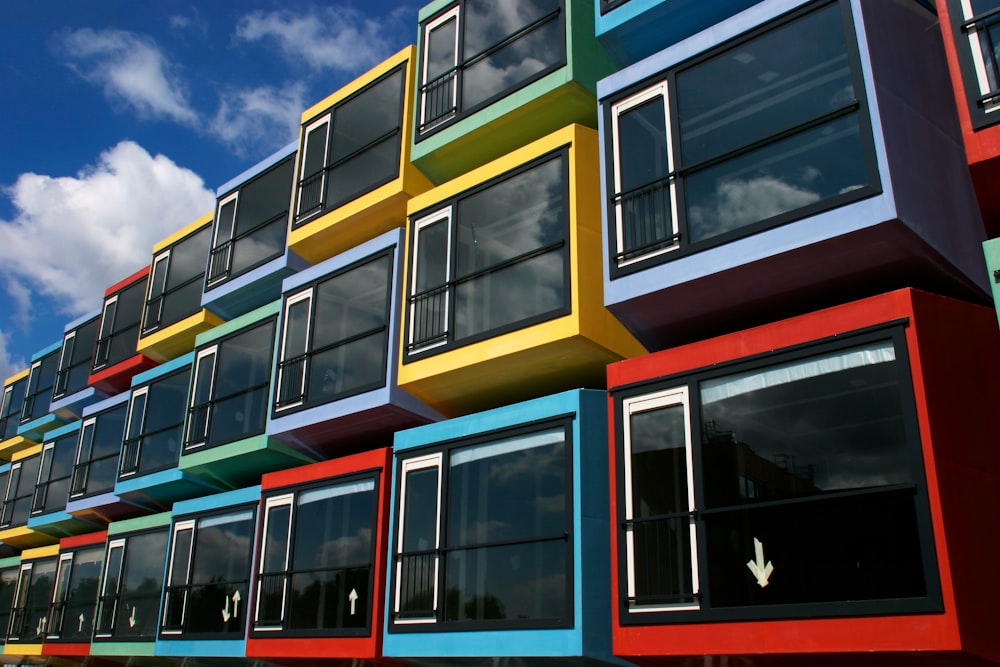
<point>8,365</point>
<point>252,118</point>
<point>740,202</point>
<point>337,38</point>
<point>132,70</point>
<point>72,237</point>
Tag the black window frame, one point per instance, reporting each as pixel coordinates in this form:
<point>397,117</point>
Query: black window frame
<point>694,608</point>
<point>438,455</point>
<point>673,244</point>
<point>198,422</point>
<point>299,367</point>
<point>26,583</point>
<point>11,406</point>
<point>170,629</point>
<point>25,496</point>
<point>447,210</point>
<point>608,5</point>
<point>64,446</point>
<point>117,325</point>
<point>63,590</point>
<point>77,353</point>
<point>158,295</point>
<point>455,111</point>
<point>983,100</point>
<point>89,428</point>
<point>328,117</point>
<point>41,380</point>
<point>288,496</point>
<point>221,252</point>
<point>130,459</point>
<point>106,621</point>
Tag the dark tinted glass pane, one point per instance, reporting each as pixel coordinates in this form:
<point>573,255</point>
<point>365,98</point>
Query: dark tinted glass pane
<point>502,298</point>
<point>315,149</point>
<point>238,416</point>
<point>520,581</point>
<point>265,198</point>
<point>181,303</point>
<point>59,473</point>
<point>364,118</point>
<point>440,49</point>
<point>658,452</point>
<point>276,538</point>
<point>785,77</point>
<point>43,575</point>
<point>517,215</point>
<point>642,144</point>
<point>245,360</point>
<point>187,258</point>
<point>983,6</point>
<point>166,401</point>
<point>224,222</point>
<point>352,303</point>
<point>432,256</point>
<point>375,166</point>
<point>803,169</point>
<point>107,443</point>
<point>822,424</point>
<point>78,614</point>
<point>220,572</point>
<point>420,510</point>
<point>513,63</point>
<point>8,582</point>
<point>296,329</point>
<point>333,527</point>
<point>508,490</point>
<point>142,582</point>
<point>323,600</point>
<point>347,368</point>
<point>18,505</point>
<point>265,243</point>
<point>489,22</point>
<point>181,557</point>
<point>83,348</point>
<point>828,550</point>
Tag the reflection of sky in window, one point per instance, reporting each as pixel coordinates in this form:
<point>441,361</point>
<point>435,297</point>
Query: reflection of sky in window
<point>222,548</point>
<point>244,360</point>
<point>333,528</point>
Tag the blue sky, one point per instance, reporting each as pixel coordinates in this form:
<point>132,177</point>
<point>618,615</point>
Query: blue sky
<point>120,118</point>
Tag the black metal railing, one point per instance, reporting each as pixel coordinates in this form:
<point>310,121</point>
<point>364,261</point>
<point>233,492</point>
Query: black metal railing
<point>439,98</point>
<point>220,261</point>
<point>645,215</point>
<point>429,317</point>
<point>661,560</point>
<point>311,193</point>
<point>104,623</point>
<point>291,387</point>
<point>131,454</point>
<point>416,583</point>
<point>270,598</point>
<point>199,423</point>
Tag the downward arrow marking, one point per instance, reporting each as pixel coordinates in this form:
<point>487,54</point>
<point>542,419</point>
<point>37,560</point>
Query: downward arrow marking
<point>761,570</point>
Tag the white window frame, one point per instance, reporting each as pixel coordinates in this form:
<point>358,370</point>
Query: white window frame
<point>660,90</point>
<point>112,545</point>
<point>304,295</point>
<point>8,392</point>
<point>428,29</point>
<point>64,358</point>
<point>647,402</point>
<point>213,351</point>
<point>23,579</point>
<point>429,220</point>
<point>140,392</point>
<point>60,593</point>
<point>88,425</point>
<point>106,331</point>
<point>434,461</point>
<point>179,527</point>
<point>287,499</point>
<point>309,129</point>
<point>163,257</point>
<point>35,365</point>
<point>48,451</point>
<point>11,483</point>
<point>232,232</point>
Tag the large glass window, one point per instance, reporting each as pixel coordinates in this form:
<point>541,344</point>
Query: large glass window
<point>483,534</point>
<point>119,331</point>
<point>155,426</point>
<point>335,336</point>
<point>38,392</point>
<point>479,50</point>
<point>8,586</point>
<point>770,128</point>
<point>176,280</point>
<point>54,471</point>
<point>209,574</point>
<point>96,466</point>
<point>74,596</point>
<point>10,408</point>
<point>785,486</point>
<point>20,491</point>
<point>29,612</point>
<point>352,148</point>
<point>250,224</point>
<point>977,36</point>
<point>229,394</point>
<point>315,567</point>
<point>492,260</point>
<point>75,358</point>
<point>130,589</point>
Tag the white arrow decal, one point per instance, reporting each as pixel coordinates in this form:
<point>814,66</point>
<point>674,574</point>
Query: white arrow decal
<point>761,570</point>
<point>236,603</point>
<point>131,619</point>
<point>80,627</point>
<point>353,597</point>
<point>225,612</point>
<point>40,628</point>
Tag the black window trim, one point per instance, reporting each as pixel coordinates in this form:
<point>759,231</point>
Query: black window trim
<point>307,292</point>
<point>889,331</point>
<point>90,422</point>
<point>40,497</point>
<point>328,116</point>
<point>166,255</point>
<point>442,451</point>
<point>459,113</point>
<point>143,390</point>
<point>620,266</point>
<point>451,206</point>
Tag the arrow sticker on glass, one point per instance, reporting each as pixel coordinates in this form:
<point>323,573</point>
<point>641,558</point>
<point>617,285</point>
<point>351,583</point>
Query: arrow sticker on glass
<point>353,598</point>
<point>761,570</point>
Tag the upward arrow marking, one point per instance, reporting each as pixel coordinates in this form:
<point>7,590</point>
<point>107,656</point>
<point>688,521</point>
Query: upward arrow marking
<point>761,570</point>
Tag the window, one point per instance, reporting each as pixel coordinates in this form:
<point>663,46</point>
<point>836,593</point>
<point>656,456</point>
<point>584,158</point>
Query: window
<point>29,612</point>
<point>96,466</point>
<point>351,149</point>
<point>788,485</point>
<point>479,50</point>
<point>175,281</point>
<point>119,330</point>
<point>131,587</point>
<point>608,5</point>
<point>20,491</point>
<point>54,472</point>
<point>768,129</point>
<point>208,575</point>
<point>74,595</point>
<point>10,409</point>
<point>8,585</point>
<point>492,260</point>
<point>335,335</point>
<point>250,224</point>
<point>316,565</point>
<point>38,393</point>
<point>229,395</point>
<point>482,538</point>
<point>977,38</point>
<point>75,359</point>
<point>155,425</point>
